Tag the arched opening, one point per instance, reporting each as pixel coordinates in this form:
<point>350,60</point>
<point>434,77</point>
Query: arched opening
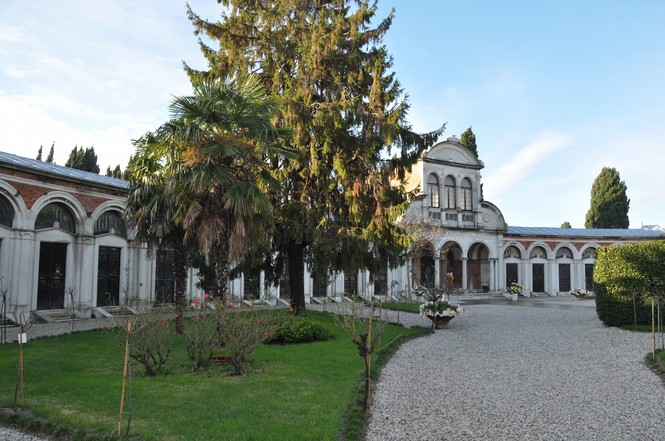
<point>538,257</point>
<point>53,256</point>
<point>451,266</point>
<point>425,265</point>
<point>478,268</point>
<point>564,257</point>
<point>512,257</point>
<point>589,260</point>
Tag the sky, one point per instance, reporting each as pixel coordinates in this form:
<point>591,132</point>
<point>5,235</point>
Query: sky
<point>554,91</point>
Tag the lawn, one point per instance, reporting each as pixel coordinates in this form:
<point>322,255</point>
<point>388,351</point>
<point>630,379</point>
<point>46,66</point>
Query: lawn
<point>291,392</point>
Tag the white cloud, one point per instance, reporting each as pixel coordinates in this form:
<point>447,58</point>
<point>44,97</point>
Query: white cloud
<point>520,167</point>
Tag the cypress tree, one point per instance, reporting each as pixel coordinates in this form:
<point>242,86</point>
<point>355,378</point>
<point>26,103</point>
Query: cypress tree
<point>39,154</point>
<point>337,203</point>
<point>49,158</point>
<point>609,203</point>
<point>468,140</point>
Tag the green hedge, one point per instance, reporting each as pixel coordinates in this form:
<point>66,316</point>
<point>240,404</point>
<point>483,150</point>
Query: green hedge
<point>624,271</point>
<point>617,309</point>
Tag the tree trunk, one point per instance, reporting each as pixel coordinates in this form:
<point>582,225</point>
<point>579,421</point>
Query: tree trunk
<point>180,280</point>
<point>222,268</point>
<point>296,262</point>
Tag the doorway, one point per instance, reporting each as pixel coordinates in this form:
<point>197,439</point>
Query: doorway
<point>108,277</point>
<point>52,271</point>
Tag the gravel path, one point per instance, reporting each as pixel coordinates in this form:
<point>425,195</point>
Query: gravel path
<point>505,372</point>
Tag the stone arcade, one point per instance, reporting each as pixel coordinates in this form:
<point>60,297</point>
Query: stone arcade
<point>64,244</point>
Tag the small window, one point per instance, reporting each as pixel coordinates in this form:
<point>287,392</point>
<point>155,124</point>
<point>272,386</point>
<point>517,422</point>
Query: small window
<point>6,212</point>
<point>55,215</point>
<point>433,190</point>
<point>467,195</point>
<point>449,193</point>
<point>110,222</point>
<point>351,283</point>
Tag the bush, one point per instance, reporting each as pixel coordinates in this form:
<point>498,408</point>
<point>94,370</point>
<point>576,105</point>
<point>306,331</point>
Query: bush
<point>303,330</point>
<point>201,337</point>
<point>617,309</point>
<point>623,274</point>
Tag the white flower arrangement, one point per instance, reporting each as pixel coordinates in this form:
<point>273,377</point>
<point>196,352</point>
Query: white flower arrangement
<point>440,308</point>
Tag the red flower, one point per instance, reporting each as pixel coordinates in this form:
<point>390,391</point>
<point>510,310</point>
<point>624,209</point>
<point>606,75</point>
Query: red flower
<point>166,322</point>
<point>198,318</point>
<point>266,334</point>
<point>291,308</point>
<point>648,294</point>
<point>258,322</point>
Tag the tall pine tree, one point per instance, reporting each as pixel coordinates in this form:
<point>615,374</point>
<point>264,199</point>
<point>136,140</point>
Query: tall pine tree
<point>39,153</point>
<point>333,74</point>
<point>609,202</point>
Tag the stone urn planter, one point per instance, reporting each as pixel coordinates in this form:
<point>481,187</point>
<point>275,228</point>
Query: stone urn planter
<point>440,322</point>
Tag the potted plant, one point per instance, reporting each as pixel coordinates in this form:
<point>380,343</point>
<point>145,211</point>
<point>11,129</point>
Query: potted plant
<point>437,308</point>
<point>514,289</point>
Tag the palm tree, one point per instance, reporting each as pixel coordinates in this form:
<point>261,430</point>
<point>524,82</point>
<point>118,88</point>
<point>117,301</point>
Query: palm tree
<point>209,164</point>
<point>227,138</point>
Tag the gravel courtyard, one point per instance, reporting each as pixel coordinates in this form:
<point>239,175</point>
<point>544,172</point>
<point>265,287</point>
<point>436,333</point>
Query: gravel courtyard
<point>506,372</point>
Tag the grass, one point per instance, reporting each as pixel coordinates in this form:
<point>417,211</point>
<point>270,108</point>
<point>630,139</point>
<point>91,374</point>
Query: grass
<point>402,306</point>
<point>291,392</point>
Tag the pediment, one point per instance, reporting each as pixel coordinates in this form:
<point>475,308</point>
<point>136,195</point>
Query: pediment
<point>452,151</point>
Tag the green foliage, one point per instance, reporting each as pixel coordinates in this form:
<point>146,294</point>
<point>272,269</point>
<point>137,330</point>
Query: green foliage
<point>623,274</point>
<point>115,173</point>
<point>201,337</point>
<point>39,153</point>
<point>609,202</point>
<point>83,159</point>
<point>566,224</point>
<point>303,330</point>
<point>49,158</point>
<point>332,72</point>
<point>468,140</point>
<point>148,341</point>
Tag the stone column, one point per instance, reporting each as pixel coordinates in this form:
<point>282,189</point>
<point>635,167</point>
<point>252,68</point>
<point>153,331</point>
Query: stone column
<point>437,270</point>
<point>464,274</point>
<point>492,279</point>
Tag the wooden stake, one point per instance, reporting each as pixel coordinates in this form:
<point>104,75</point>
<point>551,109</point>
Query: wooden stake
<point>124,375</point>
<point>653,329</point>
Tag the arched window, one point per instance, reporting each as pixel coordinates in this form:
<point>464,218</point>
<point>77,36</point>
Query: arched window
<point>433,190</point>
<point>564,253</point>
<point>538,252</point>
<point>589,253</point>
<point>466,195</point>
<point>110,222</point>
<point>512,251</point>
<point>6,212</point>
<point>449,193</point>
<point>55,215</point>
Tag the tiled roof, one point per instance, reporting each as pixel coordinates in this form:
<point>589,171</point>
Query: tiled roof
<point>60,171</point>
<point>586,232</point>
